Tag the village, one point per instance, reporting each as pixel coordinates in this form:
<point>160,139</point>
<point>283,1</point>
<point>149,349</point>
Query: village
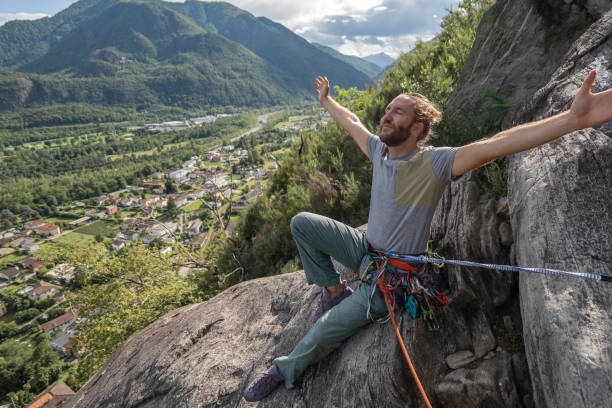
<point>148,213</point>
<point>188,206</point>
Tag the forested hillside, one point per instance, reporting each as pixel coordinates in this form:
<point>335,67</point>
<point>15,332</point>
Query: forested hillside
<point>147,54</point>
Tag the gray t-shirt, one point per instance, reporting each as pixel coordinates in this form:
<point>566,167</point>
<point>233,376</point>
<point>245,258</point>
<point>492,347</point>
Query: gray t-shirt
<point>405,192</point>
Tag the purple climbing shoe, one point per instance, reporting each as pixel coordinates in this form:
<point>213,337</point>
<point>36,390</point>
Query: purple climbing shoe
<point>326,303</point>
<point>263,385</point>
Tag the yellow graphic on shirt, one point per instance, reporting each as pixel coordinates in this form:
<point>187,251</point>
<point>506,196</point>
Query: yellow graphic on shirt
<point>416,182</point>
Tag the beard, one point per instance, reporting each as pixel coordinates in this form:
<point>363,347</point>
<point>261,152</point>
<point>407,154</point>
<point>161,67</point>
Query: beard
<point>397,136</point>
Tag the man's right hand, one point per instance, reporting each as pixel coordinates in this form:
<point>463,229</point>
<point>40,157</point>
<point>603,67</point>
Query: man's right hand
<point>345,118</point>
<point>322,85</point>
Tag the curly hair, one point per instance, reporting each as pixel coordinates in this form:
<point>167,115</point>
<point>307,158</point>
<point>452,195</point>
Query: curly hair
<point>424,112</point>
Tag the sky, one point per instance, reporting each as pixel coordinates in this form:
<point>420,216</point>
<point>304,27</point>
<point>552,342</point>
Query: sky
<point>353,27</point>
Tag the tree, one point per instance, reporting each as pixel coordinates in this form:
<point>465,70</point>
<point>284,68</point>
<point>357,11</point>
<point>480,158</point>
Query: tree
<point>122,294</point>
<point>99,238</point>
<point>7,219</point>
<point>171,188</point>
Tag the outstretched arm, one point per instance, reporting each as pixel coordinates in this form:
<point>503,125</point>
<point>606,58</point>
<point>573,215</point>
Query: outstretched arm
<point>587,110</point>
<point>345,118</point>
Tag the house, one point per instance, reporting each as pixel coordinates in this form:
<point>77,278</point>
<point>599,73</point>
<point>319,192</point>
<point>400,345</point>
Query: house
<point>57,396</point>
<point>118,244</point>
<point>63,320</point>
<point>180,200</point>
<point>191,163</point>
<point>130,235</point>
<point>158,175</point>
<point>198,241</point>
<point>9,273</point>
<point>26,242</point>
<point>30,263</point>
<point>194,227</point>
<point>98,201</point>
<point>41,290</point>
<point>153,235</point>
<point>32,225</point>
<point>48,230</point>
<point>111,209</point>
<point>154,184</point>
<point>144,203</point>
<point>195,194</point>
<point>129,223</point>
<point>178,174</point>
<point>17,241</point>
<point>29,247</point>
<point>126,202</point>
<point>62,272</point>
<point>212,156</point>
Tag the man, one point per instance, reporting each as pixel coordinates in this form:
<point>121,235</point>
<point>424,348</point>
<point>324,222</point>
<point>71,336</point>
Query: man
<point>407,183</point>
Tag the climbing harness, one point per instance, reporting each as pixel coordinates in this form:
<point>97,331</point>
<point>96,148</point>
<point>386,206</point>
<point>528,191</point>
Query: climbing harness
<point>411,287</point>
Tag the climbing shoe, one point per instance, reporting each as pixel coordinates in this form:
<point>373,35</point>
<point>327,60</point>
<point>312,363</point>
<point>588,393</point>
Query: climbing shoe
<point>264,384</point>
<point>326,302</point>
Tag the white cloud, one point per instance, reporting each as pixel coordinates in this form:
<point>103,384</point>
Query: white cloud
<point>4,17</point>
<point>359,27</point>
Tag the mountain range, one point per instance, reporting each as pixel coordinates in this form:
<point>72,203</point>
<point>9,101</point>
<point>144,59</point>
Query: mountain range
<point>149,53</point>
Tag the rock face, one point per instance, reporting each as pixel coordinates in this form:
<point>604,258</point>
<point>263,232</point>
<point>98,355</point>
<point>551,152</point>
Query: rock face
<point>205,355</point>
<point>559,200</point>
<point>519,44</point>
<point>557,215</point>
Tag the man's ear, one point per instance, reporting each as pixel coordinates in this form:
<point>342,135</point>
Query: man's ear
<point>416,129</point>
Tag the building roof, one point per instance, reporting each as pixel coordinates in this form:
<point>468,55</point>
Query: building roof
<point>47,227</point>
<point>11,272</point>
<point>199,240</point>
<point>58,321</point>
<point>34,224</point>
<point>28,261</point>
<point>41,287</point>
<point>57,395</point>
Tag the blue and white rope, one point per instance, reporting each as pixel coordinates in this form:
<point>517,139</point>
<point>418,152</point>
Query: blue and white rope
<point>507,268</point>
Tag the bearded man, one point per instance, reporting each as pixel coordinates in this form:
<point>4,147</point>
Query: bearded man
<point>408,180</point>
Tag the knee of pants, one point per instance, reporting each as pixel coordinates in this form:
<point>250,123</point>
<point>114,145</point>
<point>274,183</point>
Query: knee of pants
<point>298,221</point>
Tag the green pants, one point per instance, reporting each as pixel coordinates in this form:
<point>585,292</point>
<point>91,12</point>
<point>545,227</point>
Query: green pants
<point>318,238</point>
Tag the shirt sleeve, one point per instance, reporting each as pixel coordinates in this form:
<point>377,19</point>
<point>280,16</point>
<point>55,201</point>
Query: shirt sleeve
<point>442,159</point>
<point>375,146</point>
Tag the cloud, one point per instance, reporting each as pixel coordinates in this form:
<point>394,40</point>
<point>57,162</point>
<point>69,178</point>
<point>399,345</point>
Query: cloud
<point>358,27</point>
<point>4,17</point>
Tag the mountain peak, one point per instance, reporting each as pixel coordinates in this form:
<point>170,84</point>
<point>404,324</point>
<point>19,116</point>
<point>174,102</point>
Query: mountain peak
<point>381,59</point>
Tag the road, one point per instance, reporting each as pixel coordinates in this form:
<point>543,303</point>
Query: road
<point>261,120</point>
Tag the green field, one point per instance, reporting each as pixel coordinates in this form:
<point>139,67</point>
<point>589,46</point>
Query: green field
<point>194,205</point>
<point>75,238</point>
<point>103,228</point>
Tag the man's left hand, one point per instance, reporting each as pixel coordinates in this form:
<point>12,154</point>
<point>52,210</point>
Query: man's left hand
<point>589,109</point>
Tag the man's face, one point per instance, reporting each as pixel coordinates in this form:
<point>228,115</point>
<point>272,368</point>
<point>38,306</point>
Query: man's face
<point>395,125</point>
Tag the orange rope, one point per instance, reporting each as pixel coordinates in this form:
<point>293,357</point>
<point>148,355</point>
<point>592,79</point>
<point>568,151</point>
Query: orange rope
<point>387,295</point>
